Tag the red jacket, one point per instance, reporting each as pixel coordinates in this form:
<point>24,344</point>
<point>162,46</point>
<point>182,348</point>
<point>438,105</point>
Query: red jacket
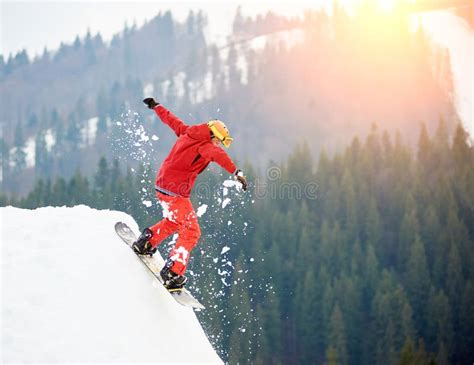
<point>189,156</point>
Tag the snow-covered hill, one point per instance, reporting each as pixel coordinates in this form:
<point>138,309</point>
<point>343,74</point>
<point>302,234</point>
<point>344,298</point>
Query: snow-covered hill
<point>73,292</point>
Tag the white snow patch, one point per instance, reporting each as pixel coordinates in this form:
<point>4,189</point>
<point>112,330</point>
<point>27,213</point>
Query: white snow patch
<point>49,139</point>
<point>30,151</point>
<point>452,33</point>
<point>167,213</point>
<point>89,132</point>
<point>147,203</point>
<point>180,255</point>
<point>65,303</point>
<point>201,210</point>
<point>225,249</point>
<point>229,183</point>
<point>225,202</point>
<point>232,183</point>
<point>178,82</point>
<point>173,240</point>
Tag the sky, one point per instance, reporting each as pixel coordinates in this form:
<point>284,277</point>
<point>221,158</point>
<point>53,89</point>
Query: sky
<point>33,25</point>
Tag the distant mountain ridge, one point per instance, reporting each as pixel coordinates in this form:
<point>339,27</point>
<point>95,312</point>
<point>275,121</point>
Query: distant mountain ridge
<point>341,75</point>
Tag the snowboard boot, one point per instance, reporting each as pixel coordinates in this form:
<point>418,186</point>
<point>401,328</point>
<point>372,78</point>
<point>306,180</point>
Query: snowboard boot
<point>171,280</point>
<point>143,246</point>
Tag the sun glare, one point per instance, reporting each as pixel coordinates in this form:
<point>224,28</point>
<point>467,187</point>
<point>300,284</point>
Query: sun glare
<point>386,5</point>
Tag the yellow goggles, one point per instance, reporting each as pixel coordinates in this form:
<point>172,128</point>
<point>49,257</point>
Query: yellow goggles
<point>225,140</point>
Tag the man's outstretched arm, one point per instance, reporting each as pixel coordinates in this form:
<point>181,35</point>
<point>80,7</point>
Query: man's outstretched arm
<point>218,155</point>
<point>176,124</point>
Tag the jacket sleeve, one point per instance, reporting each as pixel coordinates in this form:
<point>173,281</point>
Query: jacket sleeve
<point>218,155</point>
<point>171,120</point>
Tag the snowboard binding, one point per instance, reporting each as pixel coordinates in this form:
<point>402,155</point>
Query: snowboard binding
<point>142,245</point>
<point>171,280</point>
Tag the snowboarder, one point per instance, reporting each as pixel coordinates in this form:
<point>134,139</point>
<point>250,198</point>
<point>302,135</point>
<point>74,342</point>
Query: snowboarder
<point>194,149</point>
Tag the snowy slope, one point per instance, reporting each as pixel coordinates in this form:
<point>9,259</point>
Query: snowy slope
<point>72,291</point>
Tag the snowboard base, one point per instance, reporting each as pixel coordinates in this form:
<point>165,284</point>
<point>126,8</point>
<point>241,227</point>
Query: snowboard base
<point>154,265</point>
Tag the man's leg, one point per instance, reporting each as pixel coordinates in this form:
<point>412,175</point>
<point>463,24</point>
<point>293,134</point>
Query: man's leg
<point>189,233</point>
<point>161,230</point>
<point>169,224</point>
<point>154,235</point>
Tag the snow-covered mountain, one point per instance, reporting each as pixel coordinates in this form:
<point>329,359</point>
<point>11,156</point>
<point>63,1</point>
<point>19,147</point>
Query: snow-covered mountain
<point>453,33</point>
<point>72,291</point>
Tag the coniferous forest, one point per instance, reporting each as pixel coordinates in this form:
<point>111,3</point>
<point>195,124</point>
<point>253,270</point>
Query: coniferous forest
<point>355,241</point>
<point>365,257</point>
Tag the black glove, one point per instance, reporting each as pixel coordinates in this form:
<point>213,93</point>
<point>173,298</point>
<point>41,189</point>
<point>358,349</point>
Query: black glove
<point>239,175</point>
<point>151,103</point>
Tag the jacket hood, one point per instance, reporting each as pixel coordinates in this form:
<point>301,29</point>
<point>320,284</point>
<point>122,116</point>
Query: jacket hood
<point>199,132</point>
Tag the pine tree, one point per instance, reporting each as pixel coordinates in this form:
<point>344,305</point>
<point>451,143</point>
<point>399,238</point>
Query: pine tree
<point>19,154</point>
<point>59,193</point>
<point>308,309</point>
<point>5,158</point>
<point>337,335</point>
<point>383,333</point>
<point>349,207</point>
<point>454,276</point>
<point>418,280</point>
<point>78,188</point>
<point>42,165</point>
<point>371,274</point>
<point>373,228</point>
<point>441,326</point>
<point>409,229</point>
<point>465,336</point>
<point>425,151</point>
<point>101,179</point>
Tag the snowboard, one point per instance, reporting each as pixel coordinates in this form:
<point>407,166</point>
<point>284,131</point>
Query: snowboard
<point>154,265</point>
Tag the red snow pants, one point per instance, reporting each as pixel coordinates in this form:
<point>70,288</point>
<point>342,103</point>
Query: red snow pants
<point>179,217</point>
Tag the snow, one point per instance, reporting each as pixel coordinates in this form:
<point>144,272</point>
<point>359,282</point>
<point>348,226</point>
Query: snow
<point>201,210</point>
<point>174,239</point>
<point>89,133</point>
<point>178,81</point>
<point>225,202</point>
<point>232,183</point>
<point>30,151</point>
<point>453,33</point>
<point>50,139</point>
<point>147,203</point>
<point>74,292</point>
<point>225,249</point>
